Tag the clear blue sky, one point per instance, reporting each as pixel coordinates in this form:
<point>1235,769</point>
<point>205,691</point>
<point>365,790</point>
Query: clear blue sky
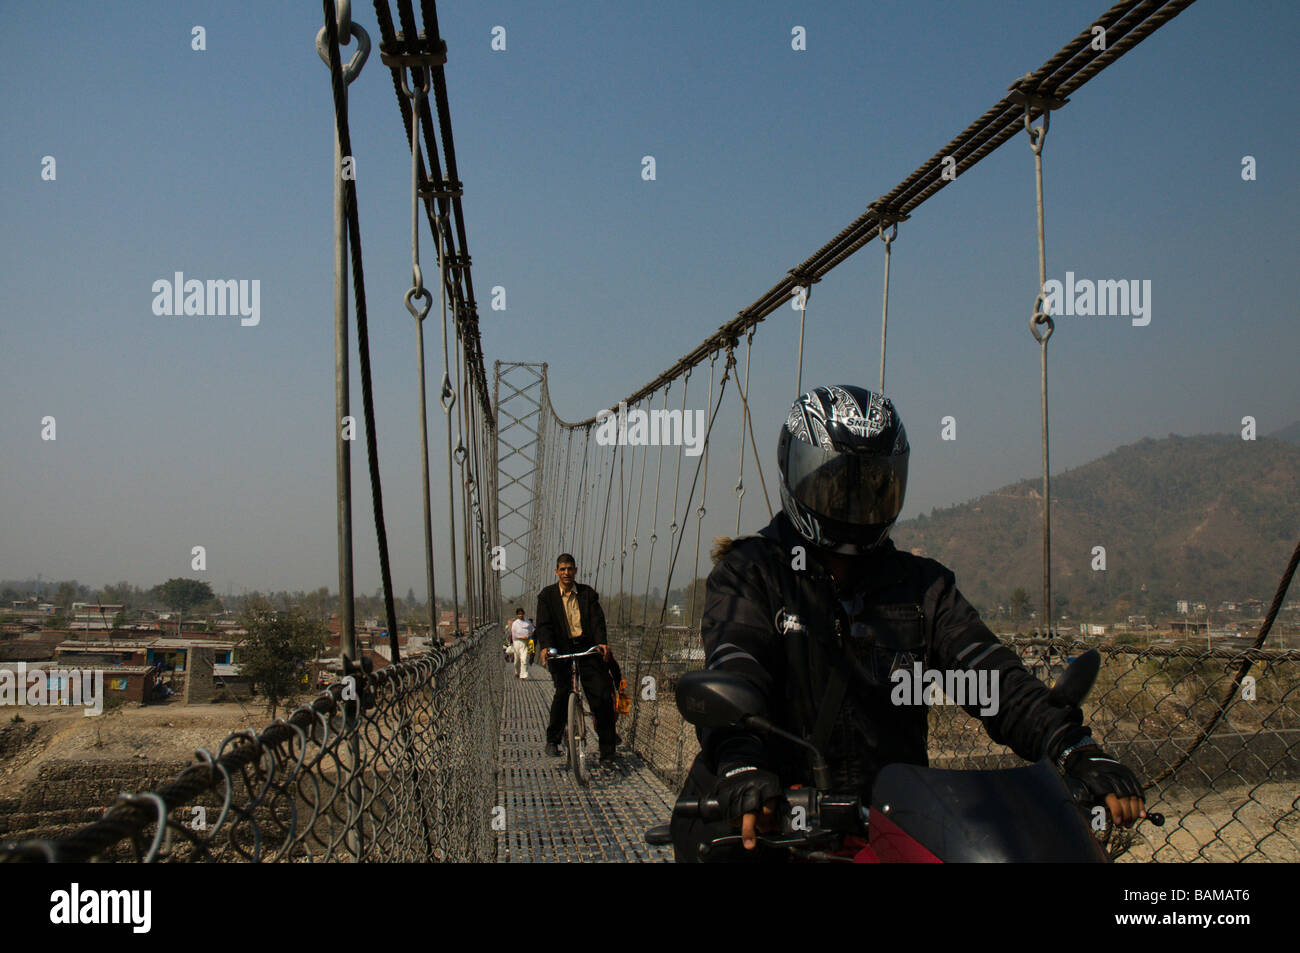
<point>175,432</point>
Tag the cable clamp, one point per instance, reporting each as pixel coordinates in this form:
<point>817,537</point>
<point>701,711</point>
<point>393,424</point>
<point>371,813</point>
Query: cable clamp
<point>1024,93</point>
<point>887,217</point>
<point>446,189</point>
<point>1033,99</point>
<point>395,56</point>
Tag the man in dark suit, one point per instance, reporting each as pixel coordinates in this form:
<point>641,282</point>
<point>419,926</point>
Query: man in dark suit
<point>570,619</point>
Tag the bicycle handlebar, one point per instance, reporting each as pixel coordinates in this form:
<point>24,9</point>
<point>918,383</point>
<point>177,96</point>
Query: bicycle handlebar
<point>594,650</point>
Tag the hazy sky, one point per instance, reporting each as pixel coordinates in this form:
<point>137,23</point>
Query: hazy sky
<point>174,432</point>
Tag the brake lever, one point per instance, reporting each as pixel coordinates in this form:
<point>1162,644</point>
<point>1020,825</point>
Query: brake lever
<point>772,840</point>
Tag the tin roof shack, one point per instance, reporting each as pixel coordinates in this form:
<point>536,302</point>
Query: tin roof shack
<point>25,650</point>
<point>174,653</point>
<point>231,683</point>
<point>102,654</point>
<point>86,616</point>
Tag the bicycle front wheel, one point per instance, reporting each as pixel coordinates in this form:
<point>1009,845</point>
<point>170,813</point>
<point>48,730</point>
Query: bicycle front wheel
<point>577,739</point>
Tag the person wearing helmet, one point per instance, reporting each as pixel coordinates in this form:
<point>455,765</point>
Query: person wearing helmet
<point>820,612</point>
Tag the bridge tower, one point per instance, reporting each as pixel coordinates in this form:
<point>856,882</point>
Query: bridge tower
<point>519,396</point>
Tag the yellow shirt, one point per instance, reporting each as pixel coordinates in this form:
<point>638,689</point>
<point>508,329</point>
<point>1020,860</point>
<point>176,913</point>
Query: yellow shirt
<point>570,601</point>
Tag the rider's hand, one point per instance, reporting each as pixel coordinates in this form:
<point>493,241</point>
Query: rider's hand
<point>1108,781</point>
<point>750,797</point>
<point>604,652</point>
<point>545,652</point>
<point>762,822</point>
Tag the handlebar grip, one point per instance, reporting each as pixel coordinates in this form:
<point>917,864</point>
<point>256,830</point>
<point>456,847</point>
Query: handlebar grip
<point>705,808</point>
<point>1080,794</point>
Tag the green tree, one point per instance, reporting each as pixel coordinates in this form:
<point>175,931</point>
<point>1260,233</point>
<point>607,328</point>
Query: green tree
<point>65,594</point>
<point>120,594</point>
<point>181,594</point>
<point>277,650</point>
<point>1019,604</point>
<point>318,603</point>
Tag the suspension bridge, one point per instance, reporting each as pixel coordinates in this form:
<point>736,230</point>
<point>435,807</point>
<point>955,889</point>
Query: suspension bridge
<point>438,756</point>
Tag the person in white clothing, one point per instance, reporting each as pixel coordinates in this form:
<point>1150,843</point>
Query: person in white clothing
<point>521,630</point>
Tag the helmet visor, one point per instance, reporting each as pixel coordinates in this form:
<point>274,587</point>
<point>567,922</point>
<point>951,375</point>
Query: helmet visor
<point>850,488</point>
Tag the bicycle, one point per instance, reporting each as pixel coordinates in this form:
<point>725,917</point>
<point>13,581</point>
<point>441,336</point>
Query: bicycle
<point>576,733</point>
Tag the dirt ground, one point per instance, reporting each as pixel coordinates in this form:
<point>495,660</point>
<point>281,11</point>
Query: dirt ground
<point>165,732</point>
<point>1248,822</point>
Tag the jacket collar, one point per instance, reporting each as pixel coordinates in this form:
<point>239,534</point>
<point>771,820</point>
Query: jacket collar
<point>879,568</point>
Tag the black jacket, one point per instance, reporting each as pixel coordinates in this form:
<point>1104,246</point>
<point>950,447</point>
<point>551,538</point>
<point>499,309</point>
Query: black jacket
<point>553,625</point>
<point>784,629</point>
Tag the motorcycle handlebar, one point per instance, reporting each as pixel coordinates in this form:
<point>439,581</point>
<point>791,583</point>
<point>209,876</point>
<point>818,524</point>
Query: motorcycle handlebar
<point>707,808</point>
<point>1081,795</point>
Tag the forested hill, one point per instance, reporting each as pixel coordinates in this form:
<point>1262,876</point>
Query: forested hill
<point>1207,518</point>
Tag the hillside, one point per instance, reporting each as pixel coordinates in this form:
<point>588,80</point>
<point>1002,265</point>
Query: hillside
<point>1206,518</point>
<point>1289,433</point>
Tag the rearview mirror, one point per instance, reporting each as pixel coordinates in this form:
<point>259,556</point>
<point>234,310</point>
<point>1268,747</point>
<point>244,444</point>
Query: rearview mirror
<point>1076,681</point>
<point>717,699</point>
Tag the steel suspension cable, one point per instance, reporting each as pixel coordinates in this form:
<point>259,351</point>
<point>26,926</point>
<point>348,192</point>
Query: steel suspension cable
<point>654,522</point>
<point>363,330</point>
<point>462,454</point>
<point>804,295</point>
<point>677,477</point>
<point>604,523</point>
<point>564,510</point>
<point>580,510</point>
<point>739,488</point>
<point>673,562</point>
<point>622,535</point>
<point>744,400</point>
<point>704,495</point>
<point>1037,137</point>
<point>343,447</point>
<point>447,399</point>
<point>418,301</point>
<point>888,239</point>
<point>1068,70</point>
<point>636,528</point>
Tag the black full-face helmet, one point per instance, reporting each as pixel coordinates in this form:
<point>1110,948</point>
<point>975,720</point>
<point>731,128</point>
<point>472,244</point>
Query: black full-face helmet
<point>843,459</point>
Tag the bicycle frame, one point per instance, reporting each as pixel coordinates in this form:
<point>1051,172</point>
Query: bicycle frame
<point>577,730</point>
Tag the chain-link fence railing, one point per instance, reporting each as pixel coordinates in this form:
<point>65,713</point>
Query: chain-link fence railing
<point>1218,754</point>
<point>398,765</point>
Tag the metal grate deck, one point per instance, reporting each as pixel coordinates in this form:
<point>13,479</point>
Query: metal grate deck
<point>551,818</point>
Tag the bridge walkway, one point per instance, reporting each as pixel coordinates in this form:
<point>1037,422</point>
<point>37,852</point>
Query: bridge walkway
<point>549,816</point>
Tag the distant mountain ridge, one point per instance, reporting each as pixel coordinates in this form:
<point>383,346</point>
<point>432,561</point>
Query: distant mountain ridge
<point>1208,518</point>
<point>1289,433</point>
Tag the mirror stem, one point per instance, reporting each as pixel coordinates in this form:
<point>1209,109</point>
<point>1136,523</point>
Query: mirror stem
<point>821,771</point>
